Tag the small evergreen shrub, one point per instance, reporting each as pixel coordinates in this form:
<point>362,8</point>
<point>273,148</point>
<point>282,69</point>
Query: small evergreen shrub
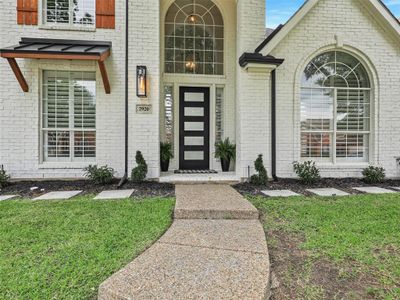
<point>4,178</point>
<point>140,172</point>
<point>261,178</point>
<point>374,175</point>
<point>99,175</point>
<point>307,172</point>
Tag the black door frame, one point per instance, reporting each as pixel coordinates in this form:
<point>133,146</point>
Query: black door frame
<point>194,164</point>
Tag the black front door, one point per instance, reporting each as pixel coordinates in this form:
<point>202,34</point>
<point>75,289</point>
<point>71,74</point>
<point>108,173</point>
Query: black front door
<point>194,128</point>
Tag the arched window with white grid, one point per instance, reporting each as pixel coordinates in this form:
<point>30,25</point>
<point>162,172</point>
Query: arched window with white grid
<point>194,38</point>
<point>335,109</point>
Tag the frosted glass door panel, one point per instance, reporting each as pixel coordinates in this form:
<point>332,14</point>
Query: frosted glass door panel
<point>194,97</point>
<point>194,141</point>
<point>194,111</point>
<point>194,126</point>
<point>194,155</point>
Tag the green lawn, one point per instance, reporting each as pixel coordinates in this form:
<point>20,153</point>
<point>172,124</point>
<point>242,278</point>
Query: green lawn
<point>65,249</point>
<point>362,231</point>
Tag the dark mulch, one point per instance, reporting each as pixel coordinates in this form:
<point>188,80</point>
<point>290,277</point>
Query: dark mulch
<point>142,190</point>
<point>344,184</point>
<point>151,189</point>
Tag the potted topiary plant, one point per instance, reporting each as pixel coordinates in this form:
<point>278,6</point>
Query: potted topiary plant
<point>166,154</point>
<point>225,151</point>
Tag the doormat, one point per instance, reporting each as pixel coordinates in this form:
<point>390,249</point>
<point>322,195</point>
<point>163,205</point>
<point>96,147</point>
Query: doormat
<point>196,172</point>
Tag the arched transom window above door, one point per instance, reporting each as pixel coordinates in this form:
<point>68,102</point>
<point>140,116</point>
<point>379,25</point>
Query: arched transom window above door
<point>335,109</point>
<point>194,38</point>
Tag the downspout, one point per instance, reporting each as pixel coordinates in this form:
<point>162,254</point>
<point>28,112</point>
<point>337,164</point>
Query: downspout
<point>125,177</point>
<point>273,124</point>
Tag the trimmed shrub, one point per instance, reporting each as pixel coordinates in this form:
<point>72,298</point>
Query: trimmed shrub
<point>4,178</point>
<point>307,172</point>
<point>262,177</point>
<point>140,172</point>
<point>374,175</point>
<point>99,175</point>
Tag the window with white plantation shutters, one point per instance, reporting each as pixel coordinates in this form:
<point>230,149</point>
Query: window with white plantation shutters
<point>335,109</point>
<point>69,116</point>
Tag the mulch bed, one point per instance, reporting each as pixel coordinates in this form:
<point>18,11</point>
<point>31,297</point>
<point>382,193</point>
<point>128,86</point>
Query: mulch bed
<point>344,184</point>
<point>142,190</point>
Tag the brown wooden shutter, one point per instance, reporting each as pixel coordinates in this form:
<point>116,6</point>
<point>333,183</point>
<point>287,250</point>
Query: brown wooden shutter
<point>105,14</point>
<point>27,12</point>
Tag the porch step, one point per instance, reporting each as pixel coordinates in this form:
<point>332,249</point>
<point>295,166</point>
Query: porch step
<point>217,178</point>
<point>212,202</point>
<point>195,172</point>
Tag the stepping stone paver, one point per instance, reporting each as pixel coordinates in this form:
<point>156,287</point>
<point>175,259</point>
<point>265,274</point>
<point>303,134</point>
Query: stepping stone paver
<point>116,194</point>
<point>64,195</point>
<point>279,193</point>
<point>7,197</point>
<point>212,201</point>
<point>373,190</point>
<point>207,257</point>
<point>328,192</point>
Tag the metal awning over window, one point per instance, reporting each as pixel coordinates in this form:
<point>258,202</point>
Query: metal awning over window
<point>57,49</point>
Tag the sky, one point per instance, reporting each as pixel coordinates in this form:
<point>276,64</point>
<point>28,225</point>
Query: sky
<point>279,11</point>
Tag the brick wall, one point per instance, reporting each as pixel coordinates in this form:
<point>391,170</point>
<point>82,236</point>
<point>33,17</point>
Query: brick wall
<point>252,88</point>
<point>363,36</point>
<point>19,112</point>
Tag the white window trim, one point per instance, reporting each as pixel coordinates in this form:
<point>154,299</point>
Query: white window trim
<point>43,24</point>
<point>70,162</point>
<point>333,159</point>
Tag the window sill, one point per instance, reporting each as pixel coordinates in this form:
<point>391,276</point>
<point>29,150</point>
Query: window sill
<point>65,165</point>
<point>67,28</point>
<point>331,166</point>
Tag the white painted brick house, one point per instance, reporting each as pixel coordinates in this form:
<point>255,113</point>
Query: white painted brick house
<point>323,87</point>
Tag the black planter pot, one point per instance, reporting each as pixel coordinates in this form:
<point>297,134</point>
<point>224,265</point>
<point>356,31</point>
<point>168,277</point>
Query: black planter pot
<point>225,163</point>
<point>164,165</point>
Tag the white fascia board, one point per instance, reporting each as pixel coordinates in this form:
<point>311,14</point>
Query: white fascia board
<point>384,15</point>
<point>289,26</point>
<point>260,68</point>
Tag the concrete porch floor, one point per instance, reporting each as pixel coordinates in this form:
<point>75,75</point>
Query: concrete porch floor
<point>225,178</point>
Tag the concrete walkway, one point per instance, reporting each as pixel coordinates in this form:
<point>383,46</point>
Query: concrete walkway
<point>215,249</point>
<point>212,202</point>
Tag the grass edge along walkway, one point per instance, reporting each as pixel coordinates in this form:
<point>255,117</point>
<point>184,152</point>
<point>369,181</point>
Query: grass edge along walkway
<point>362,229</point>
<point>65,249</point>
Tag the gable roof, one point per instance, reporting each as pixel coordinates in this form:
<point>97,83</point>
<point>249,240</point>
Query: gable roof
<point>282,30</point>
<point>269,38</point>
